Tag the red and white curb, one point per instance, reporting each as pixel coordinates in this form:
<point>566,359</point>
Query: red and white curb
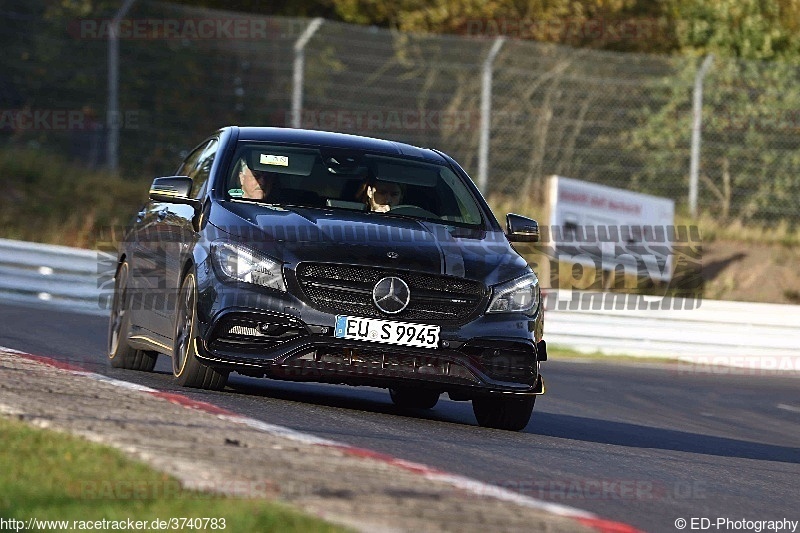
<point>462,483</point>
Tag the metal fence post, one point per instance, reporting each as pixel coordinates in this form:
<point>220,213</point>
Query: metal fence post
<point>299,67</point>
<point>486,114</point>
<point>697,122</point>
<point>112,118</point>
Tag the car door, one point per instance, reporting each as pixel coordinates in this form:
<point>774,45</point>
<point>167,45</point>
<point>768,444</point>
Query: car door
<point>181,221</point>
<point>157,301</point>
<point>177,235</point>
<point>143,272</point>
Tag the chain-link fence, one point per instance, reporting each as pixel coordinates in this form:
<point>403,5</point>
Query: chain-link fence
<point>619,119</point>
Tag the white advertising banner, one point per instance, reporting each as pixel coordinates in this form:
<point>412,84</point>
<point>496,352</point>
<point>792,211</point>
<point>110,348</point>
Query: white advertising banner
<point>596,225</point>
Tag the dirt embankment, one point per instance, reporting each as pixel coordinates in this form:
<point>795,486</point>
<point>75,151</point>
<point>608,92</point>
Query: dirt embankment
<point>750,272</point>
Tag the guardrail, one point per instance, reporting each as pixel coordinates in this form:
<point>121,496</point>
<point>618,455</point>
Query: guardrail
<point>712,328</point>
<point>49,273</point>
<point>78,278</point>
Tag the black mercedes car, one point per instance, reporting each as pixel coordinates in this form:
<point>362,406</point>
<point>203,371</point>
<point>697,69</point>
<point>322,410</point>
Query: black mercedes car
<point>315,256</point>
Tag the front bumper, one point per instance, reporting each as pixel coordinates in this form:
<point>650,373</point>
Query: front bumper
<point>284,347</point>
<point>276,335</point>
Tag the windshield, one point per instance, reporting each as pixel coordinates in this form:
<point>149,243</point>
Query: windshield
<point>349,179</point>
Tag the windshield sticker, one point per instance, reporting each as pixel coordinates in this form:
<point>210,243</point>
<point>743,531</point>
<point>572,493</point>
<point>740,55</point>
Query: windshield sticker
<point>278,160</point>
<point>236,193</point>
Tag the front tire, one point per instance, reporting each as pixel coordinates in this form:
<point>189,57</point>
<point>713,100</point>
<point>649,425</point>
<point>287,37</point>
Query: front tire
<point>186,367</point>
<point>508,413</point>
<point>414,398</point>
<point>120,353</point>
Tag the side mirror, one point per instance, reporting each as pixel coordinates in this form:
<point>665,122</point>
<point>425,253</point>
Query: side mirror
<point>522,229</point>
<point>173,189</point>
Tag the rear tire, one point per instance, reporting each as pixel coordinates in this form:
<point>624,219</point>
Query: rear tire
<point>507,413</point>
<point>186,367</point>
<point>414,398</point>
<point>120,353</point>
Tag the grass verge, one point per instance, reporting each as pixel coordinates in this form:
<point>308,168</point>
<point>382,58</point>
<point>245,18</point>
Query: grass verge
<point>554,353</point>
<point>46,198</point>
<point>53,476</point>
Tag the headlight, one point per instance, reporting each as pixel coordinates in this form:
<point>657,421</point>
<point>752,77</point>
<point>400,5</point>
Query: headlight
<point>516,296</point>
<point>241,263</point>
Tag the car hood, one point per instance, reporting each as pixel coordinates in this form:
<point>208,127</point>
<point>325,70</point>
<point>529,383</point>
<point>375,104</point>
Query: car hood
<point>296,235</point>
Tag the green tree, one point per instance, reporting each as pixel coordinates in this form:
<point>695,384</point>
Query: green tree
<point>751,110</point>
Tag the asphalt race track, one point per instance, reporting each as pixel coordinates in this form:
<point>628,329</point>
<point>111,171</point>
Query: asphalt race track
<point>644,444</point>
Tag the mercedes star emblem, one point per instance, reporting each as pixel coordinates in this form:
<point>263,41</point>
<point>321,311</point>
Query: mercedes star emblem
<point>391,295</point>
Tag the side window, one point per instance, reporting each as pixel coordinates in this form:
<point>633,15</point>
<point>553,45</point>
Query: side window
<point>190,162</point>
<point>202,168</point>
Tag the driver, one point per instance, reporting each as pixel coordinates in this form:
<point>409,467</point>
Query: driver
<point>256,184</point>
<point>381,196</point>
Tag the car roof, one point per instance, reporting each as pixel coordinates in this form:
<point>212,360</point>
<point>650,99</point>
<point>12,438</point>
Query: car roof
<point>336,140</point>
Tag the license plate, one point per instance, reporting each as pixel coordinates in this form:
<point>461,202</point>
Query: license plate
<point>387,331</point>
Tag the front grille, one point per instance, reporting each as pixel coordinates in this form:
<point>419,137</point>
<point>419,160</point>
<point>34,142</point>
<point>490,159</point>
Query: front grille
<point>370,362</point>
<point>346,289</point>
